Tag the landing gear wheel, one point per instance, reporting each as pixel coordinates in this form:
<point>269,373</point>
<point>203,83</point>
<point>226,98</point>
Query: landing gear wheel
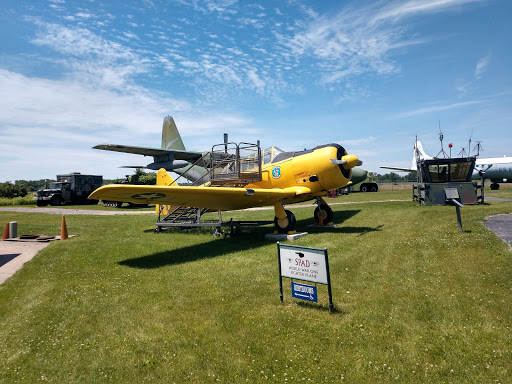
<point>287,224</point>
<point>325,217</point>
<point>495,186</point>
<point>56,201</point>
<point>364,188</point>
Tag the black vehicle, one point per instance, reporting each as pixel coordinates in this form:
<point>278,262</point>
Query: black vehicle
<point>73,188</point>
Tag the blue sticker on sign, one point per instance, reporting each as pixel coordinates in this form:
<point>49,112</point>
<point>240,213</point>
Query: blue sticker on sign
<point>304,292</point>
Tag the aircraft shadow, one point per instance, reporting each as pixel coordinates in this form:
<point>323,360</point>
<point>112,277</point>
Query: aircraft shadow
<point>252,237</point>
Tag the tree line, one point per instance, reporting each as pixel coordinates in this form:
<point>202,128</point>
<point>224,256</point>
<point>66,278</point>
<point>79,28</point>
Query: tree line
<point>21,188</point>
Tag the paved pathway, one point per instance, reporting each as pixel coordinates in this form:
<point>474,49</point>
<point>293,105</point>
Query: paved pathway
<point>501,225</point>
<point>13,254</point>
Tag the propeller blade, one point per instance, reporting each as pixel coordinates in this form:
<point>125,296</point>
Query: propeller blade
<point>338,162</point>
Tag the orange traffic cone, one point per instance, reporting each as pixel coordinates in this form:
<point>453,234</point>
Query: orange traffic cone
<point>6,232</point>
<point>63,229</point>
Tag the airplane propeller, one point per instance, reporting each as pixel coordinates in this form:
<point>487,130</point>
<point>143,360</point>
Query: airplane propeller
<point>344,162</point>
<point>482,171</point>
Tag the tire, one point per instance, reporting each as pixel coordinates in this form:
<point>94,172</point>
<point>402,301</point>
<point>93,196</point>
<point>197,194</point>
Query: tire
<point>364,188</point>
<point>495,186</point>
<point>285,225</point>
<point>56,201</point>
<point>374,188</point>
<point>327,215</point>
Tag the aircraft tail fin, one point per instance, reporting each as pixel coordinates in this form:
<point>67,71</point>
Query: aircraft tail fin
<point>163,178</point>
<point>171,138</point>
<point>419,154</point>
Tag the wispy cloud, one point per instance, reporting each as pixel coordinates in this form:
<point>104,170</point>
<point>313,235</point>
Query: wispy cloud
<point>436,108</point>
<point>464,86</point>
<point>358,41</point>
<point>481,66</point>
<point>398,9</point>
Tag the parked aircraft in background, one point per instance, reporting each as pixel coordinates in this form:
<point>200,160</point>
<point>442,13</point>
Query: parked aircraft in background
<point>170,156</point>
<point>232,181</point>
<point>496,169</point>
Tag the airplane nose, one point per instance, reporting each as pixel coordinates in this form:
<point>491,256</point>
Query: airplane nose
<point>350,161</point>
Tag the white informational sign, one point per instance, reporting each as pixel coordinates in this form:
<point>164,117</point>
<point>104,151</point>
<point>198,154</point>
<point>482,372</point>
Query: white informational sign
<point>303,263</point>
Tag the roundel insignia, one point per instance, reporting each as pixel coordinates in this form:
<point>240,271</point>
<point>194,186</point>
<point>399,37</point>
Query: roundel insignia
<point>276,172</point>
<point>143,196</point>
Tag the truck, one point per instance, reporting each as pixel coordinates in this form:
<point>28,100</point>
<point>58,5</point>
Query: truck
<point>358,176</point>
<point>72,188</point>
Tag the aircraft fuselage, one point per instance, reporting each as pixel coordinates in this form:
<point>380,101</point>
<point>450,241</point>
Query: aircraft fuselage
<point>313,170</point>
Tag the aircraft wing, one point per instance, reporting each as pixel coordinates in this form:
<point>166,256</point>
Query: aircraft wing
<point>214,198</point>
<point>178,154</point>
<point>401,169</point>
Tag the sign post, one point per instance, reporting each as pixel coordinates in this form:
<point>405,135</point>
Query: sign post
<point>304,263</point>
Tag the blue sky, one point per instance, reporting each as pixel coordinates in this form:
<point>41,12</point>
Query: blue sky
<point>369,75</point>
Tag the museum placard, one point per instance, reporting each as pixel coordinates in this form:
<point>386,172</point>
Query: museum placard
<point>303,263</point>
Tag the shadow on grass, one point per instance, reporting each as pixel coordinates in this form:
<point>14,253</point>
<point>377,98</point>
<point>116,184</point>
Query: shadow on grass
<point>321,307</point>
<point>249,238</point>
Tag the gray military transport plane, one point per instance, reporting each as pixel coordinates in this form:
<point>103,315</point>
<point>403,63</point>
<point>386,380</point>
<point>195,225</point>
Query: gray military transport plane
<point>172,155</point>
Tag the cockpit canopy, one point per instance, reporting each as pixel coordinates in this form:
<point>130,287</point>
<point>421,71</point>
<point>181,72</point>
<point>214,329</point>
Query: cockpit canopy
<point>270,154</point>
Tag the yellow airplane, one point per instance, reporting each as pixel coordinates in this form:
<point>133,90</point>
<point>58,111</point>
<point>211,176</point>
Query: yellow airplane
<point>234,182</point>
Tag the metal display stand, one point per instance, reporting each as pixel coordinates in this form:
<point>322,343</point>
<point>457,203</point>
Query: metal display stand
<point>227,165</point>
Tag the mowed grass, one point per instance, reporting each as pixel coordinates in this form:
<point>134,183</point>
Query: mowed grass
<point>416,301</point>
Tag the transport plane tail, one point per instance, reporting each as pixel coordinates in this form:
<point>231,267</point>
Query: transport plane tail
<point>418,154</point>
<point>171,138</point>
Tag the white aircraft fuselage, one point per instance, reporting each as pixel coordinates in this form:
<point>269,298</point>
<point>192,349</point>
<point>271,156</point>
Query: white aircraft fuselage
<point>495,168</point>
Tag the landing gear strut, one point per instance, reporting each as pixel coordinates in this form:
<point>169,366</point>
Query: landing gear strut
<point>323,213</point>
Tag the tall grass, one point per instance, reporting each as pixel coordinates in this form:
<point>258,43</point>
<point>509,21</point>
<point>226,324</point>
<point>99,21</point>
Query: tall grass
<point>26,200</point>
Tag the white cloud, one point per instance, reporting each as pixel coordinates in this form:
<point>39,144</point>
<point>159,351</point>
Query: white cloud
<point>436,108</point>
<point>481,66</point>
<point>399,9</point>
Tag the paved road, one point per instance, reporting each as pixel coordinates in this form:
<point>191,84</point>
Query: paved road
<point>64,211</point>
<point>501,225</point>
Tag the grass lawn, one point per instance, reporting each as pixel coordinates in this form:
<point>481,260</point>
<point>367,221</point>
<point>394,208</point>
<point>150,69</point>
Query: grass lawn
<point>416,301</point>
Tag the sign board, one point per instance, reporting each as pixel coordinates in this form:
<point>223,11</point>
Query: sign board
<point>303,263</point>
<point>304,292</point>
